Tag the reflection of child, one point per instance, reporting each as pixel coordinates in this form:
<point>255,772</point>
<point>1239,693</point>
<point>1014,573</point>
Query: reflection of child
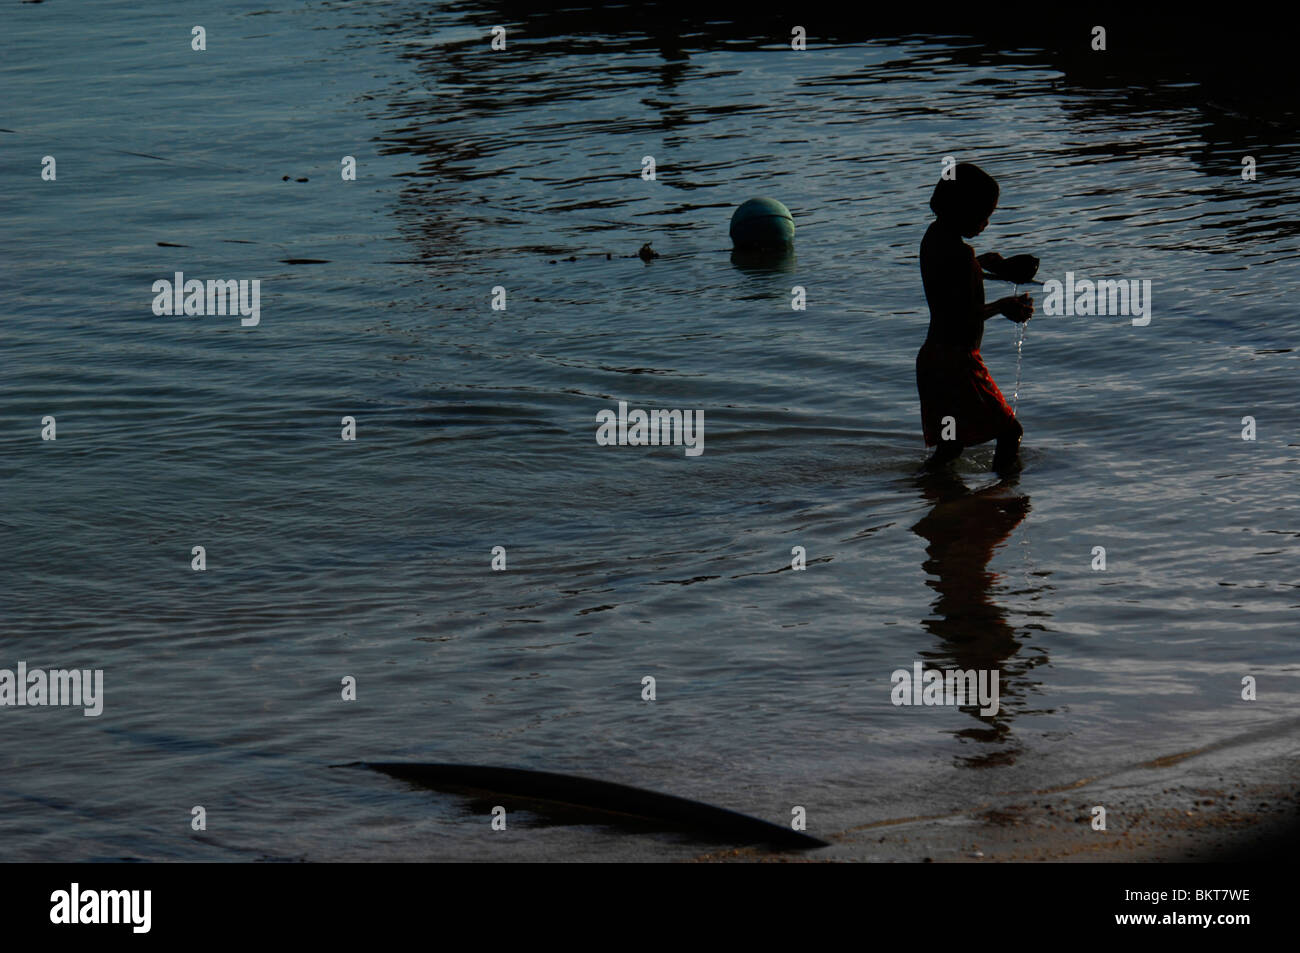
<point>950,374</point>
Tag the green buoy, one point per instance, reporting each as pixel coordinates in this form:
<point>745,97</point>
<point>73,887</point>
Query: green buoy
<point>762,223</point>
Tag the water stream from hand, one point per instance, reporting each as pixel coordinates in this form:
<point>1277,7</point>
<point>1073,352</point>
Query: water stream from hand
<point>1020,343</point>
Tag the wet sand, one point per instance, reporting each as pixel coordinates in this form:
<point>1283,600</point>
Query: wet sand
<point>1234,801</point>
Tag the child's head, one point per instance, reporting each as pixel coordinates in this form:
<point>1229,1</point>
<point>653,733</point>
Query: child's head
<point>966,201</point>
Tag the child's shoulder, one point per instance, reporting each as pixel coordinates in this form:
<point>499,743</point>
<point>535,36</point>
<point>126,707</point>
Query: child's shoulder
<point>939,241</point>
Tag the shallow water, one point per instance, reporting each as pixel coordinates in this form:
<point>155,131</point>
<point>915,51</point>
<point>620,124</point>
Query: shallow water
<point>476,427</point>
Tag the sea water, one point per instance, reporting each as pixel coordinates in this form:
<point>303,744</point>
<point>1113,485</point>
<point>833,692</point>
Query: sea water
<point>372,559</point>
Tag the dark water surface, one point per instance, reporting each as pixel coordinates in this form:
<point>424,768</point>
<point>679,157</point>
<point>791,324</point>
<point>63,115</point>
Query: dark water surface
<point>476,427</point>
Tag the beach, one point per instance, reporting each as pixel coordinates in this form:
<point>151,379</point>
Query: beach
<point>1235,803</point>
<point>365,492</point>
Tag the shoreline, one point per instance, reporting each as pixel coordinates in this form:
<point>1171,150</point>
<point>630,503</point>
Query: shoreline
<point>1233,800</point>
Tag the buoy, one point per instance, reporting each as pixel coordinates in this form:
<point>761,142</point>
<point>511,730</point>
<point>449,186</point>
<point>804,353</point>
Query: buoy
<point>762,223</point>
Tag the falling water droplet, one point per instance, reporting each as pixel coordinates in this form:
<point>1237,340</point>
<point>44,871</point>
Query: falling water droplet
<point>1020,343</point>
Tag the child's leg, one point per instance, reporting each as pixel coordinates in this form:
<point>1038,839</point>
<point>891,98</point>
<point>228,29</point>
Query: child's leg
<point>946,452</point>
<point>1006,457</point>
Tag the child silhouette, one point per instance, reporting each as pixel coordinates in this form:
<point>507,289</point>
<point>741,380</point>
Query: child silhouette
<point>951,377</point>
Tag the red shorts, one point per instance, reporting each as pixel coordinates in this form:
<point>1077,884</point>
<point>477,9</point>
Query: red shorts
<point>955,383</point>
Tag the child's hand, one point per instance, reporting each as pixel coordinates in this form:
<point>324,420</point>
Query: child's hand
<point>1019,309</point>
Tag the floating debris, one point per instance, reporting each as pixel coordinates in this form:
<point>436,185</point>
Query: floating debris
<point>599,801</point>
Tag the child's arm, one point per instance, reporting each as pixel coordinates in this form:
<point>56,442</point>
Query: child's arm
<point>1018,309</point>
